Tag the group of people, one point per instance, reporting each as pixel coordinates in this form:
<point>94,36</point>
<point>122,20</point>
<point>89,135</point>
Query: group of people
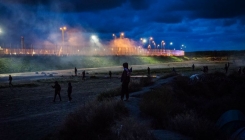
<point>227,65</point>
<point>240,70</point>
<point>125,79</point>
<point>57,90</point>
<point>83,73</point>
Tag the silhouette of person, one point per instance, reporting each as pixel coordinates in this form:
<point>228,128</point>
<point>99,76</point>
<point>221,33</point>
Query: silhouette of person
<point>75,71</point>
<point>243,70</point>
<point>69,91</point>
<point>148,71</point>
<point>110,74</point>
<point>125,79</point>
<point>83,75</point>
<point>240,70</point>
<point>57,88</point>
<point>193,67</point>
<point>174,70</point>
<point>10,80</point>
<point>226,68</point>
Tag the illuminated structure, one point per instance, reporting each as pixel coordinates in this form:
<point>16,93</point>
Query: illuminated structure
<point>118,46</point>
<point>98,51</point>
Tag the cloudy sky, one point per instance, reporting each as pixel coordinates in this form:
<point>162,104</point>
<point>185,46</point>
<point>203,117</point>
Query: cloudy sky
<point>197,24</point>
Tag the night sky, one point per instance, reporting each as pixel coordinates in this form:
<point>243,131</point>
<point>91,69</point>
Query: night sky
<point>197,24</point>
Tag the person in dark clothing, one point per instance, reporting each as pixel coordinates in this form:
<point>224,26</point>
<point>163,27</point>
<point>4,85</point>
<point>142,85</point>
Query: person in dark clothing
<point>243,70</point>
<point>174,71</point>
<point>10,80</point>
<point>148,71</point>
<point>69,91</point>
<point>57,88</point>
<point>83,75</point>
<point>75,71</point>
<point>240,71</point>
<point>193,67</point>
<point>125,79</point>
<point>226,68</point>
<point>110,74</point>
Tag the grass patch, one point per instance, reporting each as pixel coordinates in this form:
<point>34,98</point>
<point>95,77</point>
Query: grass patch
<point>130,129</point>
<point>11,64</point>
<point>93,121</point>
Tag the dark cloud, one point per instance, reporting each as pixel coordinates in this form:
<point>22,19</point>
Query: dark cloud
<point>168,18</point>
<point>211,8</point>
<point>141,4</point>
<point>29,2</point>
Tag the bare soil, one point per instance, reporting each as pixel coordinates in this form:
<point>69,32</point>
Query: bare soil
<point>27,110</point>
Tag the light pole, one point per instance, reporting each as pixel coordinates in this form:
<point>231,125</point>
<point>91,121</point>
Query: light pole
<point>114,36</point>
<point>63,37</point>
<point>122,35</point>
<point>149,46</point>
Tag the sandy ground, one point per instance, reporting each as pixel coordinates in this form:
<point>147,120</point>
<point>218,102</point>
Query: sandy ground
<point>28,112</point>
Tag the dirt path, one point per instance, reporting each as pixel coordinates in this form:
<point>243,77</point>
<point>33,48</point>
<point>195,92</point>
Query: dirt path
<point>29,113</point>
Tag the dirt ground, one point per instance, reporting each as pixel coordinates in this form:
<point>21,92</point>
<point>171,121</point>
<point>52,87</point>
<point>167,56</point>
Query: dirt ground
<point>30,113</point>
<point>27,110</point>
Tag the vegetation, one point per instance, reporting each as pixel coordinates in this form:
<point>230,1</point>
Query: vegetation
<point>192,108</point>
<point>10,64</point>
<point>106,120</point>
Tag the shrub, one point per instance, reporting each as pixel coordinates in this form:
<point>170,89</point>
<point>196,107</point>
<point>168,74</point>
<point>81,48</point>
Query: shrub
<point>145,81</point>
<point>196,127</point>
<point>130,129</point>
<point>93,120</point>
<point>107,95</point>
<point>159,104</point>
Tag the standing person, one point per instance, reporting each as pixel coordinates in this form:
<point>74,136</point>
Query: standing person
<point>125,79</point>
<point>148,71</point>
<point>10,80</point>
<point>57,88</point>
<point>83,75</point>
<point>240,71</point>
<point>75,71</point>
<point>69,91</point>
<point>110,74</point>
<point>193,67</point>
<point>226,68</point>
<point>243,70</point>
<point>174,71</point>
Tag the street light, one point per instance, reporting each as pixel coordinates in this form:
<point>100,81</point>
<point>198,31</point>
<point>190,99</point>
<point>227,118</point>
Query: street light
<point>63,37</point>
<point>162,44</point>
<point>122,35</point>
<point>114,36</point>
<point>149,46</point>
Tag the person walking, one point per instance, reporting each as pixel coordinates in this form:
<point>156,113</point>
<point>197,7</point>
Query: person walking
<point>69,91</point>
<point>110,74</point>
<point>57,90</point>
<point>240,71</point>
<point>226,68</point>
<point>125,79</point>
<point>83,75</point>
<point>10,80</point>
<point>193,67</point>
<point>148,71</point>
<point>75,71</point>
